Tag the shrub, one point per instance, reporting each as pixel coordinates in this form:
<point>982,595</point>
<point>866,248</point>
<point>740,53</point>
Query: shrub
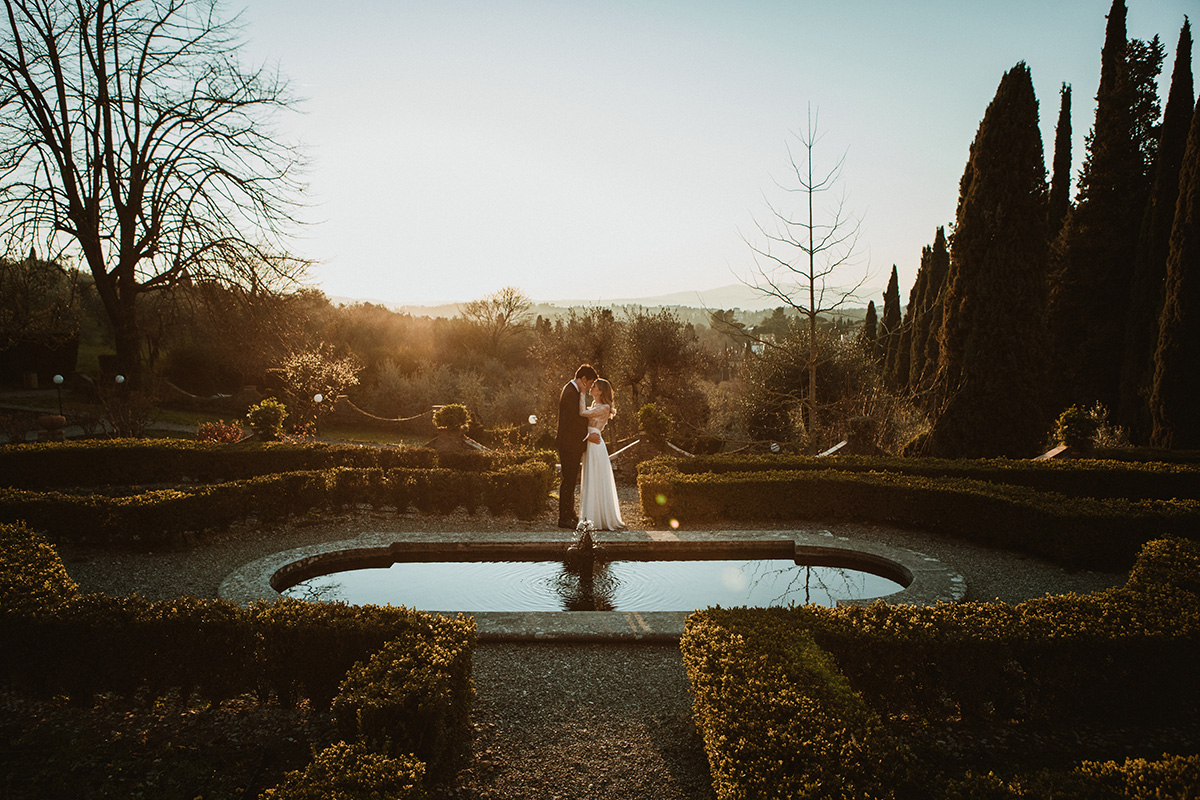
<point>266,419</point>
<point>1075,428</point>
<point>220,431</point>
<point>352,772</point>
<point>451,417</point>
<point>790,701</point>
<point>33,579</point>
<point>413,696</point>
<point>777,718</point>
<point>654,424</point>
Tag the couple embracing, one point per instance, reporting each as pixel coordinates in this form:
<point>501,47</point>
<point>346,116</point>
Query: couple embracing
<point>581,449</point>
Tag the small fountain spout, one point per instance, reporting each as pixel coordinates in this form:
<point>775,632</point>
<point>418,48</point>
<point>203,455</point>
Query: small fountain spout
<point>584,551</point>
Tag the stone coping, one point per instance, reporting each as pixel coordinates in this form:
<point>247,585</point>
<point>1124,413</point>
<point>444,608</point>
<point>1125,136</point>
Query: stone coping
<point>926,579</point>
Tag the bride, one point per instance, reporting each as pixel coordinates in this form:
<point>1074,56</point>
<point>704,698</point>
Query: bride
<point>598,493</point>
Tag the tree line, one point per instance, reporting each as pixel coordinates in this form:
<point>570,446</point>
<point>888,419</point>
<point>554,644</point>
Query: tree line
<point>1034,303</point>
<point>161,178</point>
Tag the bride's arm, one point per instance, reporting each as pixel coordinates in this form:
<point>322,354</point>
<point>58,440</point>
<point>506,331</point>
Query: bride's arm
<point>590,413</point>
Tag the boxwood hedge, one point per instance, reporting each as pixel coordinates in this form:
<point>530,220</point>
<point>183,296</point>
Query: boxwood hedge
<point>1078,531</point>
<point>798,702</point>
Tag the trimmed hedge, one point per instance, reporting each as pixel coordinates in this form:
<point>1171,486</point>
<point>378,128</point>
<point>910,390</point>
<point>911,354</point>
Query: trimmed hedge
<point>214,649</point>
<point>1075,531</point>
<point>33,579</point>
<point>1076,477</point>
<point>353,772</point>
<point>411,697</point>
<point>131,462</point>
<point>777,718</point>
<point>764,694</point>
<point>160,516</point>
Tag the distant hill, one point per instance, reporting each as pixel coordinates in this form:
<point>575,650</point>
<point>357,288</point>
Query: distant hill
<point>735,296</point>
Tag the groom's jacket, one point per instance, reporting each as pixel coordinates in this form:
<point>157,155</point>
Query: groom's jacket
<point>572,428</point>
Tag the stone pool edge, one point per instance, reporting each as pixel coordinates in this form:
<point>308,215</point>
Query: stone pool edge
<point>932,580</point>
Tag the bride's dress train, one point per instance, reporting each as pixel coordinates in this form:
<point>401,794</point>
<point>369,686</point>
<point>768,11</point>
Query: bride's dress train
<point>598,501</point>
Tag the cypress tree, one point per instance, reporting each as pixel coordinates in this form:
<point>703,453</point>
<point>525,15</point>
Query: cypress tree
<point>1095,253</point>
<point>889,333</point>
<point>902,368</point>
<point>1150,267</point>
<point>1060,182</point>
<point>929,323</point>
<point>869,335</point>
<point>992,343</point>
<point>1173,401</point>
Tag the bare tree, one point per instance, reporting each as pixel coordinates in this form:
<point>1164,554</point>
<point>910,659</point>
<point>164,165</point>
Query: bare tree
<point>802,252</point>
<point>499,316</point>
<point>131,137</point>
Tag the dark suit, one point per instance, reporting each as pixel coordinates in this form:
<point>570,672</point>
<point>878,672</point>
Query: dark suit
<point>572,442</point>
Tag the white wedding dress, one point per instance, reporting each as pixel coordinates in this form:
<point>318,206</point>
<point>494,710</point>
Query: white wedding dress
<point>598,501</point>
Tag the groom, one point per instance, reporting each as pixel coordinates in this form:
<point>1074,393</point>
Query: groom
<point>572,441</point>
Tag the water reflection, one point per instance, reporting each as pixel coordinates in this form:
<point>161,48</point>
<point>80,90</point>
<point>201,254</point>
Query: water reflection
<point>586,585</point>
<point>599,586</point>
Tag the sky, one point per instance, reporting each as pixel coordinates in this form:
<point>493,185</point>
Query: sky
<point>599,151</point>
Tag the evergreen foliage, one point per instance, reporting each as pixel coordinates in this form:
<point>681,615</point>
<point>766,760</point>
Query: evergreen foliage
<point>902,363</point>
<point>889,335</point>
<point>927,322</point>
<point>992,345</point>
<point>1060,182</point>
<point>1176,378</point>
<point>1095,253</point>
<point>869,335</point>
<point>1150,268</point>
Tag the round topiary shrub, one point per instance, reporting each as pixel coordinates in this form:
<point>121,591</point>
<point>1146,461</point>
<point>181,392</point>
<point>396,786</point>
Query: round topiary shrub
<point>266,419</point>
<point>452,417</point>
<point>1075,428</point>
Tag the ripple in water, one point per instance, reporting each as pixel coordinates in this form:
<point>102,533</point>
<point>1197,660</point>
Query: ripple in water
<point>609,586</point>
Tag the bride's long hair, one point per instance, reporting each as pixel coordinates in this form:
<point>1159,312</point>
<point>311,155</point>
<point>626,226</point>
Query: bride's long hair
<point>606,396</point>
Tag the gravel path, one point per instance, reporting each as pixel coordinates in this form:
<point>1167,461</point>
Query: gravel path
<point>559,720</point>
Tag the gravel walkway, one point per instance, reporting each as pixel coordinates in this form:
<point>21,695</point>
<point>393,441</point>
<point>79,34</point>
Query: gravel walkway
<point>559,720</point>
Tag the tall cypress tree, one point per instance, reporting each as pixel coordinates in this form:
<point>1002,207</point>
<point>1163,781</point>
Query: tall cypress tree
<point>889,333</point>
<point>991,360</point>
<point>928,326</point>
<point>869,335</point>
<point>1095,253</point>
<point>1150,268</point>
<point>898,377</point>
<point>1060,181</point>
<point>1173,400</point>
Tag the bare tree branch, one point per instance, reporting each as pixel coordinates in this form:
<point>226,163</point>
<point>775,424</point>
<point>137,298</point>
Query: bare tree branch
<point>131,137</point>
<point>803,252</point>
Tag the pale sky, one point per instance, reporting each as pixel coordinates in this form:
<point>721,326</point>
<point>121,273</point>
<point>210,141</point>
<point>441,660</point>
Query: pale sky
<point>609,150</point>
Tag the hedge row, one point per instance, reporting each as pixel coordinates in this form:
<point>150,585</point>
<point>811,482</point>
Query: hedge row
<point>1074,531</point>
<point>128,462</point>
<point>353,772</point>
<point>398,680</point>
<point>1075,477</point>
<point>159,516</point>
<point>790,701</point>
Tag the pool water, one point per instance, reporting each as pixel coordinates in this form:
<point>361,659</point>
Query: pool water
<point>606,586</point>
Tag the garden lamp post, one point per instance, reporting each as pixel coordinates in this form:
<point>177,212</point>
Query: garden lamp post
<point>58,382</point>
<point>317,398</point>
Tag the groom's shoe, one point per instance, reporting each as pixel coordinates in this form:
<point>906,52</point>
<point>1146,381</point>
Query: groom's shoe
<point>568,523</point>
